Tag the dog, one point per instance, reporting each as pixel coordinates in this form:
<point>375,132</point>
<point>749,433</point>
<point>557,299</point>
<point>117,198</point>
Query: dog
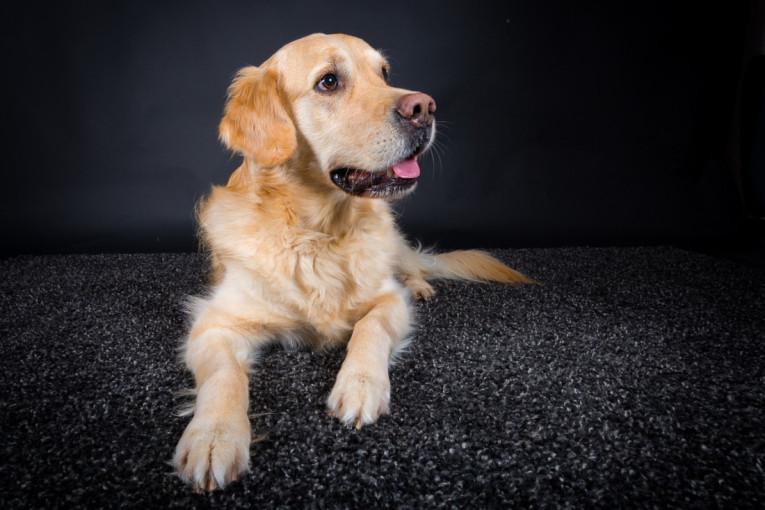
<point>303,243</point>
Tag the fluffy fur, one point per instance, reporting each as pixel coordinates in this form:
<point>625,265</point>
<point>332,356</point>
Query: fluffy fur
<point>296,258</point>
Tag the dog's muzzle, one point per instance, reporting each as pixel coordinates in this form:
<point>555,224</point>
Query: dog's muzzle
<point>414,114</point>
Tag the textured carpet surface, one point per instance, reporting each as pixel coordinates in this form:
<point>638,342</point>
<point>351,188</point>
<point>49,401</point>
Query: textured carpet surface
<point>634,377</point>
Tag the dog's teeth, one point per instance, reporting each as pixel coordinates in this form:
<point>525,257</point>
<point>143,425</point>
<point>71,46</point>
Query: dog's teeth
<point>389,172</point>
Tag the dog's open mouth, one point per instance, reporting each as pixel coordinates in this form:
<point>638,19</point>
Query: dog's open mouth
<point>401,178</point>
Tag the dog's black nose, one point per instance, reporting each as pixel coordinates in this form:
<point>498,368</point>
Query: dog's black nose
<point>417,108</point>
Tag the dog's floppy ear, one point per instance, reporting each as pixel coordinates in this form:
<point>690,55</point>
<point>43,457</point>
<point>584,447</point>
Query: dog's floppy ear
<point>255,122</point>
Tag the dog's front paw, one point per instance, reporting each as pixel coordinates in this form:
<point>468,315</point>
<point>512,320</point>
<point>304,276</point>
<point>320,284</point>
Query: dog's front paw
<point>213,453</point>
<point>359,397</point>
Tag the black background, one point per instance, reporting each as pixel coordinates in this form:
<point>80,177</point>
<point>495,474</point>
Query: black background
<point>560,122</point>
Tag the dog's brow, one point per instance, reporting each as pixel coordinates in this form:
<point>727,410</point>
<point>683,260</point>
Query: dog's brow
<point>330,66</point>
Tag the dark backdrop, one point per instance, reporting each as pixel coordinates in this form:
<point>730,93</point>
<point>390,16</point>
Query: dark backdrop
<point>562,122</point>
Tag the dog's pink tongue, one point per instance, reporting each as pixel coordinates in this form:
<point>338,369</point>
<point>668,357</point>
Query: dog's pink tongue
<point>407,169</point>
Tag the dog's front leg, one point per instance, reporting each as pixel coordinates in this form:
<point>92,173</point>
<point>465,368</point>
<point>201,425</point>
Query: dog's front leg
<point>215,447</point>
<point>362,391</point>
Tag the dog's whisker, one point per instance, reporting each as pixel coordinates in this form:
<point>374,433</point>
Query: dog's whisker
<point>435,155</point>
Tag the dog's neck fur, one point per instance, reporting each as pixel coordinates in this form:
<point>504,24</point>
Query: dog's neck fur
<point>306,202</point>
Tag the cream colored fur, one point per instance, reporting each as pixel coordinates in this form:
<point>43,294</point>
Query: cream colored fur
<point>297,259</point>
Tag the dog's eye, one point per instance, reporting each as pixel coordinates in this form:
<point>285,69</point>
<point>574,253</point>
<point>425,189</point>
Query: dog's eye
<point>385,74</point>
<point>327,83</point>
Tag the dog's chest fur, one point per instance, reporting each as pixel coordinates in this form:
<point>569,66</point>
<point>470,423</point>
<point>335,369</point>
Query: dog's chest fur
<point>323,282</point>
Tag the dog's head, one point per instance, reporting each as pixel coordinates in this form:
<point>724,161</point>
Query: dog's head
<point>323,103</point>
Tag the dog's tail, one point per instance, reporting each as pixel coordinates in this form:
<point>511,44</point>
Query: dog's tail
<point>471,265</point>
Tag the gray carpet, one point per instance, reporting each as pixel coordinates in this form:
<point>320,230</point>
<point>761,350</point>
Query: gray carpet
<point>634,377</point>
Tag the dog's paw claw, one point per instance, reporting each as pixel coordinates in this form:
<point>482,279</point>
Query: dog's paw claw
<point>211,455</point>
<point>359,399</point>
<point>420,289</point>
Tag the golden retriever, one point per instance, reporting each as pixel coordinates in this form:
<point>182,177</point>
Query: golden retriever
<point>303,243</point>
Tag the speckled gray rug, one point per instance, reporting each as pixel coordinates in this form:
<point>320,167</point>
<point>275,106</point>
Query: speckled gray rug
<point>633,377</point>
